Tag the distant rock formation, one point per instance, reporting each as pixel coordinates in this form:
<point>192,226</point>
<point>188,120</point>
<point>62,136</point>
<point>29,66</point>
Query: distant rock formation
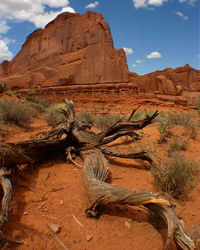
<point>77,49</point>
<point>169,81</point>
<point>72,49</point>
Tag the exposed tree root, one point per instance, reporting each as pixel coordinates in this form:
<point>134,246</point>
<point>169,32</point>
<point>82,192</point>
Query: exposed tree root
<point>95,171</point>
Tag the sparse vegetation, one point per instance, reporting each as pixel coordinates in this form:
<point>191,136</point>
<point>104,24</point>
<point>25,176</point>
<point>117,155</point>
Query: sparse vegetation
<point>177,177</point>
<point>54,114</point>
<point>86,117</point>
<point>142,114</point>
<point>104,121</point>
<point>38,103</point>
<point>177,145</point>
<point>164,130</point>
<point>198,104</point>
<point>15,112</point>
<point>3,86</point>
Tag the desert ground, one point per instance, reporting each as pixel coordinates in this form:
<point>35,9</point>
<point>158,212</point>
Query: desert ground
<point>53,191</point>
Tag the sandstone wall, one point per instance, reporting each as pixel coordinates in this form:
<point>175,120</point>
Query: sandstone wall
<point>72,49</point>
<point>169,81</point>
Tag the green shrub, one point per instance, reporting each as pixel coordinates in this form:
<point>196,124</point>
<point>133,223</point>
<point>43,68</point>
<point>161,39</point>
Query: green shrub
<point>30,95</point>
<point>198,104</point>
<point>104,121</point>
<point>142,114</point>
<point>86,117</point>
<point>38,103</point>
<point>3,86</point>
<point>192,130</point>
<point>54,115</point>
<point>177,177</point>
<point>177,145</point>
<point>99,121</point>
<point>16,112</point>
<point>164,130</point>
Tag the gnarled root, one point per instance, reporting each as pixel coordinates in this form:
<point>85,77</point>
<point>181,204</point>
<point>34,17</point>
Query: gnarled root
<point>95,171</point>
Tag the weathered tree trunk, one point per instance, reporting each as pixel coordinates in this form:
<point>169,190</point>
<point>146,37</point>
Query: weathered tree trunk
<point>95,171</point>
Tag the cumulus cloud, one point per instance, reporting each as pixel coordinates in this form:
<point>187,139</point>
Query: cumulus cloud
<point>147,3</point>
<point>25,10</point>
<point>182,15</point>
<point>134,65</point>
<point>138,61</point>
<point>154,55</point>
<point>92,5</point>
<point>128,51</point>
<point>5,54</point>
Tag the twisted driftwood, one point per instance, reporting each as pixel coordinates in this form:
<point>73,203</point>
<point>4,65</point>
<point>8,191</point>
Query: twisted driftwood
<point>95,171</point>
<point>74,135</point>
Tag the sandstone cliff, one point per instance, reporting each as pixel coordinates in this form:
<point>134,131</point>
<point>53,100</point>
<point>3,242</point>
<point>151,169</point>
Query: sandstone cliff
<point>169,81</point>
<point>72,49</point>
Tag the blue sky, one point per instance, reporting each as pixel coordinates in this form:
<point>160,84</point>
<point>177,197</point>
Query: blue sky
<point>155,34</point>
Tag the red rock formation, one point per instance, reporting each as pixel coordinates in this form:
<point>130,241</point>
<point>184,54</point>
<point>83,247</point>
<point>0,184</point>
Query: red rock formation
<point>73,48</point>
<point>169,81</point>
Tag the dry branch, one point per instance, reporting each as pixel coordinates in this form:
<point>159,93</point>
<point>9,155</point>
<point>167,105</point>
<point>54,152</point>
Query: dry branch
<point>95,171</point>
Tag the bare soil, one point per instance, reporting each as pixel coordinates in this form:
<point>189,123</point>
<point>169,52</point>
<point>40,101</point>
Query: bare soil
<point>53,192</point>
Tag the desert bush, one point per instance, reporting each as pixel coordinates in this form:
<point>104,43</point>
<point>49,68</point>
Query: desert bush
<point>182,118</point>
<point>54,115</point>
<point>16,112</point>
<point>164,130</point>
<point>30,95</point>
<point>3,86</point>
<point>177,145</point>
<point>99,121</point>
<point>192,130</point>
<point>177,177</point>
<point>142,114</point>
<point>86,117</point>
<point>198,104</point>
<point>104,121</point>
<point>38,103</point>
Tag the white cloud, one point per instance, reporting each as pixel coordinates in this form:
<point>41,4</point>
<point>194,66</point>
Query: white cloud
<point>134,65</point>
<point>92,5</point>
<point>190,2</point>
<point>155,2</point>
<point>147,3</point>
<point>139,3</point>
<point>139,61</point>
<point>5,54</point>
<point>154,55</point>
<point>26,10</point>
<point>4,27</point>
<point>128,51</point>
<point>182,15</point>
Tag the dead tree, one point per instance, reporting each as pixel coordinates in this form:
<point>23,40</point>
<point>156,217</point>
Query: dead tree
<point>74,136</point>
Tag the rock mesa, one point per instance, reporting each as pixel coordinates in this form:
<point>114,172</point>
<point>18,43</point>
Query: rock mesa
<point>72,49</point>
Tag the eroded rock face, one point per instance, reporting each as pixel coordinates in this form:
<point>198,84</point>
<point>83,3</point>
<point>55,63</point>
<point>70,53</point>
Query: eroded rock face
<point>72,49</point>
<point>169,81</point>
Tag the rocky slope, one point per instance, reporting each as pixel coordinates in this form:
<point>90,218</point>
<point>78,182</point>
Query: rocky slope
<point>73,48</point>
<point>169,81</point>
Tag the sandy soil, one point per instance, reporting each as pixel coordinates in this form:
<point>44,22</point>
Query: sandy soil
<point>53,192</point>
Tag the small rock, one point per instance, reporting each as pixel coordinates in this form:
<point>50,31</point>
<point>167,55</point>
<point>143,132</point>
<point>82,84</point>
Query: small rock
<point>127,224</point>
<point>25,213</point>
<point>45,209</point>
<point>54,228</point>
<point>89,237</point>
<point>61,202</point>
